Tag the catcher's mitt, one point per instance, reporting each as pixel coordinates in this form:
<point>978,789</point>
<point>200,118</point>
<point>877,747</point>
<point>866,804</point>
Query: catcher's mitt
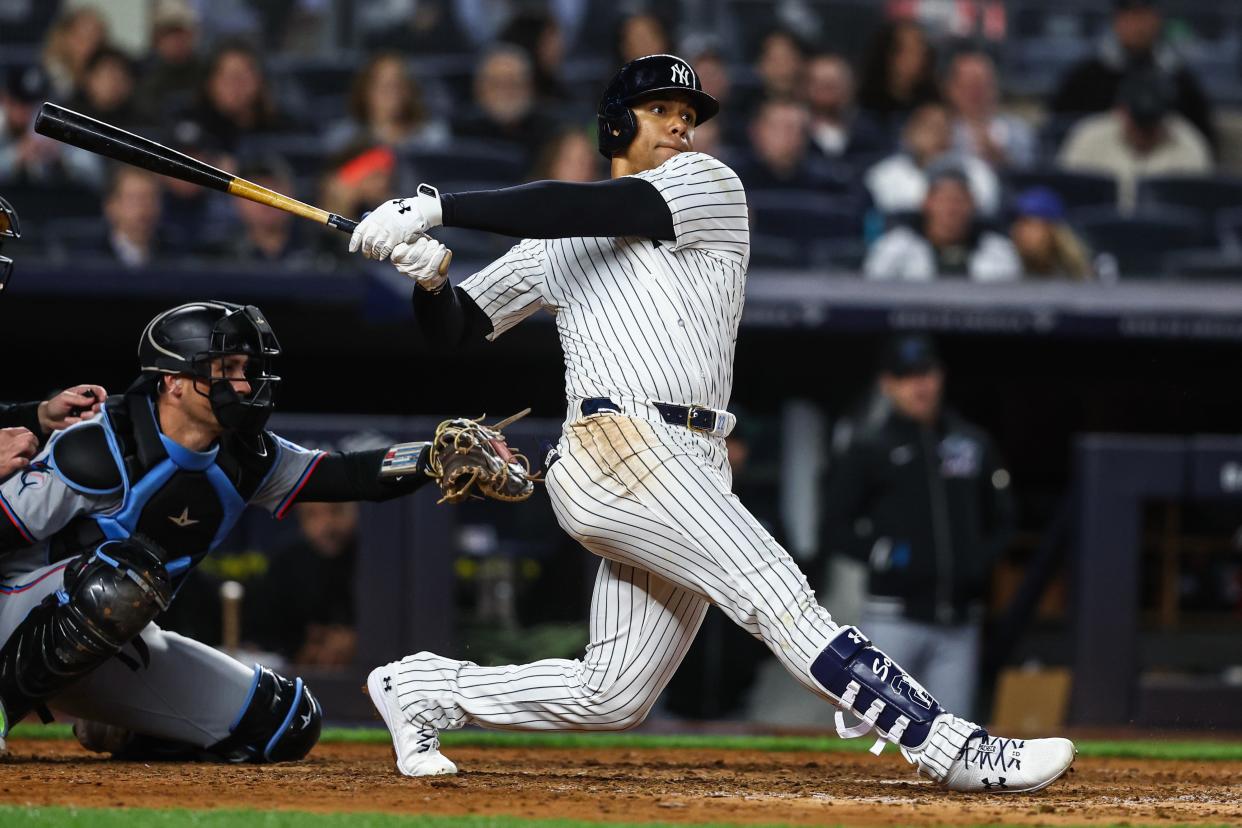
<point>468,459</point>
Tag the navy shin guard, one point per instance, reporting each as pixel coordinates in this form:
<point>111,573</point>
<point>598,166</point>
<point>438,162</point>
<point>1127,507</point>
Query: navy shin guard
<point>874,687</point>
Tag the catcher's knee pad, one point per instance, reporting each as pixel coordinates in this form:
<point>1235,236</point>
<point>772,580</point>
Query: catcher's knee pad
<point>279,722</point>
<point>108,597</point>
<point>873,686</point>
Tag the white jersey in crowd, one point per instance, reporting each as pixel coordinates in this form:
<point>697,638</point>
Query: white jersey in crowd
<point>639,320</point>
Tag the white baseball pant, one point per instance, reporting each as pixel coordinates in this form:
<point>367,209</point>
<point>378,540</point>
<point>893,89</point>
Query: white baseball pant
<point>654,500</point>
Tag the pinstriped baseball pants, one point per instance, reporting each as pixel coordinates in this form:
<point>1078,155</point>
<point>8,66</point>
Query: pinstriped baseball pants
<point>653,500</point>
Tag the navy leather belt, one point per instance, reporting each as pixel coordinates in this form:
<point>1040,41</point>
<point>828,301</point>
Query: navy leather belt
<point>693,417</point>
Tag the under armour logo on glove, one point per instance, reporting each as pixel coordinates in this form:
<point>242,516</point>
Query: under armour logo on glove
<point>402,207</point>
<point>990,785</point>
<point>387,684</point>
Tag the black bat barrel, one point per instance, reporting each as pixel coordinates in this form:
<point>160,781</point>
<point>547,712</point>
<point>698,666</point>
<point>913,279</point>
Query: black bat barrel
<point>85,132</point>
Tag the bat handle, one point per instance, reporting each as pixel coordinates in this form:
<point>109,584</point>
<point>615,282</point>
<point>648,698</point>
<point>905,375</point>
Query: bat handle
<point>341,223</point>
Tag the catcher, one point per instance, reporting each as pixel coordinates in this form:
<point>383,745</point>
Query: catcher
<point>99,531</point>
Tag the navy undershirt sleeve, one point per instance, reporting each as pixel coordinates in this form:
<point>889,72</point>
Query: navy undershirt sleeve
<point>561,210</point>
<point>449,319</point>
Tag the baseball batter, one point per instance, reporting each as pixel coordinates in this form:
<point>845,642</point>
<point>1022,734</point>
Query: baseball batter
<point>646,276</point>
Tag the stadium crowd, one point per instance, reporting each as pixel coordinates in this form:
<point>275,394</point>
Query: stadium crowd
<point>903,161</point>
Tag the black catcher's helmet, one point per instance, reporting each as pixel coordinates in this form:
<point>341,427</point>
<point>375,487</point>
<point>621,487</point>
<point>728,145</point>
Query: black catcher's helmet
<point>9,229</point>
<point>185,340</point>
<point>641,78</point>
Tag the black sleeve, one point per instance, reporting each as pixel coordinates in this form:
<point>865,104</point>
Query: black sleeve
<point>354,475</point>
<point>844,501</point>
<point>22,415</point>
<point>449,319</point>
<point>561,210</point>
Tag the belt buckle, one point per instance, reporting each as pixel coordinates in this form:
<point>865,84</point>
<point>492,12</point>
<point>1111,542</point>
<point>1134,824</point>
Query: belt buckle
<point>691,411</point>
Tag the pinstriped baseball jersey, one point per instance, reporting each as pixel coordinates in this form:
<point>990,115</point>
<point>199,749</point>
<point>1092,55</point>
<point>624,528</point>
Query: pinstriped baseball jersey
<point>640,319</point>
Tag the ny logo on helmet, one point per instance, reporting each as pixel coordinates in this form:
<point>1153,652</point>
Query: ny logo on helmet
<point>681,74</point>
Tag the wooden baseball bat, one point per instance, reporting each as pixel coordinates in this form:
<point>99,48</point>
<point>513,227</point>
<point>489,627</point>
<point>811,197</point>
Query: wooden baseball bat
<point>95,136</point>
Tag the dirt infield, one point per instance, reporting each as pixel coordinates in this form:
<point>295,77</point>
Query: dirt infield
<point>640,785</point>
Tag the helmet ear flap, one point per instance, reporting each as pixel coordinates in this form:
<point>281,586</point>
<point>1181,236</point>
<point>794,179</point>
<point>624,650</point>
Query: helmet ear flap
<point>615,116</point>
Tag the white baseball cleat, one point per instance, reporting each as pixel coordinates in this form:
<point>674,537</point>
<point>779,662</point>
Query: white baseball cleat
<point>417,746</point>
<point>961,756</point>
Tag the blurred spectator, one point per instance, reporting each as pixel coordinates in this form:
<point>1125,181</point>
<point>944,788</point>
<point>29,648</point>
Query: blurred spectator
<point>898,184</point>
<point>836,129</point>
<point>641,34</point>
<point>539,35</point>
<point>193,213</point>
<point>73,38</point>
<point>269,236</point>
<point>924,502</point>
<point>947,241</point>
<point>1133,44</point>
<point>359,178</point>
<point>1142,136</point>
<point>898,75</point>
<point>386,106</point>
<point>107,90</point>
<point>779,155</point>
<point>27,157</point>
<point>234,100</point>
<point>132,213</point>
<point>780,64</point>
<point>1048,246</point>
<point>303,607</point>
<point>426,27</point>
<point>570,155</point>
<point>504,102</point>
<point>175,70</point>
<point>729,125</point>
<point>979,129</point>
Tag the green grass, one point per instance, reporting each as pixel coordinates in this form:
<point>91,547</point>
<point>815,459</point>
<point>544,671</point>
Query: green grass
<point>1205,751</point>
<point>58,817</point>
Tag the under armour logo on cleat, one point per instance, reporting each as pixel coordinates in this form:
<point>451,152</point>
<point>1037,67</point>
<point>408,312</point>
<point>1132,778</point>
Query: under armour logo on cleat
<point>183,520</point>
<point>306,720</point>
<point>990,785</point>
<point>387,684</point>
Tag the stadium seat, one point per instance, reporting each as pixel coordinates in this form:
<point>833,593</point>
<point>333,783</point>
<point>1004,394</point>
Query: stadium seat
<point>775,251</point>
<point>471,160</point>
<point>804,216</point>
<point>1075,189</point>
<point>1229,228</point>
<point>1208,196</point>
<point>1204,265</point>
<point>44,201</point>
<point>1139,242</point>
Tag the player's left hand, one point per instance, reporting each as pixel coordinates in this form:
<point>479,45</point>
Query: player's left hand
<point>421,262</point>
<point>73,405</point>
<point>400,220</point>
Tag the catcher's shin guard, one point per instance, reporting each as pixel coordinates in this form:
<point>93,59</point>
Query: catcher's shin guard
<point>874,687</point>
<point>279,722</point>
<point>107,599</point>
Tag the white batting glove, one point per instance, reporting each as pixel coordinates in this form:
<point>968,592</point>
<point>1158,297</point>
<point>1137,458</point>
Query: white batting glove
<point>397,221</point>
<point>421,262</point>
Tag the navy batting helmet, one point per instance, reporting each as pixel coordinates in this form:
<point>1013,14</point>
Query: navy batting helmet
<point>185,340</point>
<point>641,78</point>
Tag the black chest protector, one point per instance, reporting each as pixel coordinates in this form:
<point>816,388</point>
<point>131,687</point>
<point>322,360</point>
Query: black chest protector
<point>185,501</point>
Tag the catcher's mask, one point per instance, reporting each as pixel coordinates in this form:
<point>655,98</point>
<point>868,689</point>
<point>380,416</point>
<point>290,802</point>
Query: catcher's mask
<point>190,339</point>
<point>10,228</point>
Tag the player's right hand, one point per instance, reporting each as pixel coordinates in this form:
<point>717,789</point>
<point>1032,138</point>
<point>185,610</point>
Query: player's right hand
<point>17,447</point>
<point>421,261</point>
<point>400,220</point>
